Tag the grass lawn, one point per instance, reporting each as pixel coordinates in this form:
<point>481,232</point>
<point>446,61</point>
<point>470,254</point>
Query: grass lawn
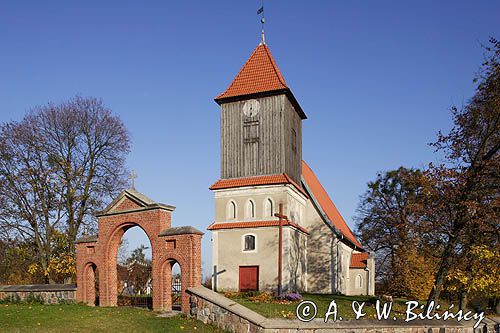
<point>276,310</point>
<point>81,318</point>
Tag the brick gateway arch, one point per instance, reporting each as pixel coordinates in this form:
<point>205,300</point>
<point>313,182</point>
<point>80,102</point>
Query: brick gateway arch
<point>98,253</point>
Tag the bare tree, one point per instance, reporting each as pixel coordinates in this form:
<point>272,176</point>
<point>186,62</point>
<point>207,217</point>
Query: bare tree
<point>58,166</point>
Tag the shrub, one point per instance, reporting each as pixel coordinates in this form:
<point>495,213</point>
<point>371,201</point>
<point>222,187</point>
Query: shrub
<point>293,297</point>
<point>264,297</point>
<point>232,294</point>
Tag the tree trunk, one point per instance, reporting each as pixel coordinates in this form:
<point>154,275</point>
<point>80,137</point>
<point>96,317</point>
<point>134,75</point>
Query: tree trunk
<point>441,273</point>
<point>463,300</point>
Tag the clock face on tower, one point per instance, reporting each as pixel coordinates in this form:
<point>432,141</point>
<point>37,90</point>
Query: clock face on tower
<point>251,108</point>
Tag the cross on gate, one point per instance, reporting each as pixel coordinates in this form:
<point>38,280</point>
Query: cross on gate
<point>132,177</point>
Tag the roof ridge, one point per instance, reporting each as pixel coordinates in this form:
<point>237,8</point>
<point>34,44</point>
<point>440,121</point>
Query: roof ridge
<point>331,213</point>
<point>239,72</point>
<point>255,224</point>
<point>259,180</point>
<point>259,74</point>
<point>275,66</point>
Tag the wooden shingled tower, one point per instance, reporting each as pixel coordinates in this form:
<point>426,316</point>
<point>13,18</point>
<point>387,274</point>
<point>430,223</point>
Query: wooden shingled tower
<point>261,122</point>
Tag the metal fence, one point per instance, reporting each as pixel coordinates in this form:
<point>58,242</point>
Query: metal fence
<point>176,294</point>
<point>142,301</point>
<point>146,301</point>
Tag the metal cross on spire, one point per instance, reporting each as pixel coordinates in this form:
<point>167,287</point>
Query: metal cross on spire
<point>260,12</point>
<point>132,177</point>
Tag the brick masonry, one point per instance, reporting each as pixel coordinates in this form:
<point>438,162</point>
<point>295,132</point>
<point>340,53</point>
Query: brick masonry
<point>97,257</point>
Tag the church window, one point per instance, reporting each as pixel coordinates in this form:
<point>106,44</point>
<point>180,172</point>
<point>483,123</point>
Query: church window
<point>250,209</point>
<point>294,140</point>
<point>359,281</point>
<point>269,211</point>
<point>249,244</point>
<point>231,210</point>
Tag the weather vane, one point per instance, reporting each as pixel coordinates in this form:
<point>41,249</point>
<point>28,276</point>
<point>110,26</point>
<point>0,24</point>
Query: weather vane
<point>133,176</point>
<point>260,12</point>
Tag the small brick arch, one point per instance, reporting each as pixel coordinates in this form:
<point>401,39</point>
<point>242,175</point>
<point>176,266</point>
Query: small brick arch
<point>88,281</point>
<point>99,252</point>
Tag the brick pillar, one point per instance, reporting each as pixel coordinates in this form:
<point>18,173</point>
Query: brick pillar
<point>108,280</point>
<point>89,286</point>
<point>167,286</point>
<point>191,272</point>
<point>196,260</point>
<point>156,282</point>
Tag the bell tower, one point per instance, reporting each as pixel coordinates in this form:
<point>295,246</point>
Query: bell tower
<point>261,122</point>
<point>261,167</point>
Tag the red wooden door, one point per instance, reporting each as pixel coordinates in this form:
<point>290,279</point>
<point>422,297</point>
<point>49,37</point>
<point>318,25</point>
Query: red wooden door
<point>249,278</point>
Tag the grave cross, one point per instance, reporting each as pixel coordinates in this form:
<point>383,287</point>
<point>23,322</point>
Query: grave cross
<point>214,275</point>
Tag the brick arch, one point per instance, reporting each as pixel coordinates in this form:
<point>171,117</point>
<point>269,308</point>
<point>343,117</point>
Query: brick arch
<point>188,279</point>
<point>88,288</point>
<point>111,242</point>
<point>131,208</point>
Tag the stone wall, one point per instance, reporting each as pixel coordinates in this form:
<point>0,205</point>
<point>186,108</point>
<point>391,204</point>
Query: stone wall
<point>48,293</point>
<point>215,309</point>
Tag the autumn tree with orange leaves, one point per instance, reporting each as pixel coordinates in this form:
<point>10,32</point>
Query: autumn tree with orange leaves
<point>448,214</point>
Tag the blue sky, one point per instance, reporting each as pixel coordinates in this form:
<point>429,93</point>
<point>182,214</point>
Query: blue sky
<point>376,79</point>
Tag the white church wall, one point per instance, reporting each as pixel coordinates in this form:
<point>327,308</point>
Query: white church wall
<point>292,200</point>
<point>320,251</point>
<point>231,256</point>
<point>227,243</point>
<point>345,253</point>
<point>328,259</point>
<point>295,270</point>
<point>215,255</point>
<point>358,282</point>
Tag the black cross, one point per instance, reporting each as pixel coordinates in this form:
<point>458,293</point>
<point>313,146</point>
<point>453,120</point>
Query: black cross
<point>214,275</point>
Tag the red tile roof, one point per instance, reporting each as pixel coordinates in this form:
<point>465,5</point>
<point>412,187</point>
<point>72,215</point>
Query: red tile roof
<point>358,260</point>
<point>254,224</point>
<point>318,193</point>
<point>256,181</point>
<point>259,74</point>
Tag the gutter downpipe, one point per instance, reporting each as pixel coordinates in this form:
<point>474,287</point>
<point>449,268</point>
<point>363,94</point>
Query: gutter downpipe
<point>369,279</point>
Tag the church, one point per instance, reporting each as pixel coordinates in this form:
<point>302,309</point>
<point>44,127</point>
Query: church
<point>275,226</point>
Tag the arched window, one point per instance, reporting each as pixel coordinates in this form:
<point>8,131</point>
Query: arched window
<point>250,209</point>
<point>269,208</point>
<point>231,210</point>
<point>249,243</point>
<point>359,281</point>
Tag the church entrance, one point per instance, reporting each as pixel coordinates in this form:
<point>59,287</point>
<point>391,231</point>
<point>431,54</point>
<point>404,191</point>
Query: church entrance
<point>249,278</point>
<point>178,246</point>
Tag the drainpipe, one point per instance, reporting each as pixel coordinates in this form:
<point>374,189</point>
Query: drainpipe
<point>369,279</point>
<point>337,278</point>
